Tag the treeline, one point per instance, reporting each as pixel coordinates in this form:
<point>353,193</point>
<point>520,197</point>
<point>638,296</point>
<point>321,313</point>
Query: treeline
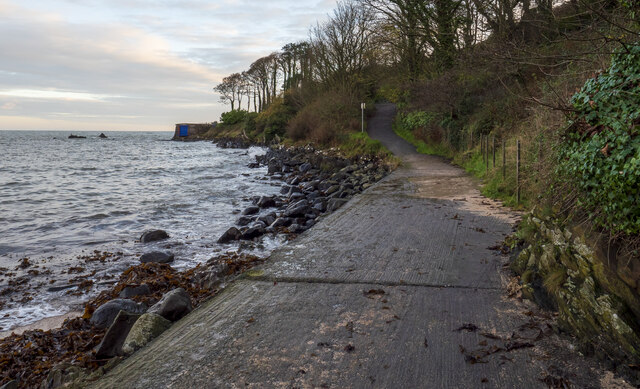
<point>366,45</point>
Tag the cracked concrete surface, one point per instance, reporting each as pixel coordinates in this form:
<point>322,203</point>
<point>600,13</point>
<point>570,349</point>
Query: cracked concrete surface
<point>374,296</point>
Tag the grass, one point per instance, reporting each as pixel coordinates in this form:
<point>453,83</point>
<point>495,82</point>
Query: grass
<point>356,144</point>
<point>421,146</point>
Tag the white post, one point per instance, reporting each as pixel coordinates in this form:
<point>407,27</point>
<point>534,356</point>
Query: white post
<point>362,108</point>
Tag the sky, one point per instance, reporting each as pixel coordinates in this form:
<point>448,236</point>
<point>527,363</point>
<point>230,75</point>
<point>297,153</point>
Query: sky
<point>134,64</point>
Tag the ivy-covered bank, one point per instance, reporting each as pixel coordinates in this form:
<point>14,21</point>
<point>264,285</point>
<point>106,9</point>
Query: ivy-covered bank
<point>562,269</point>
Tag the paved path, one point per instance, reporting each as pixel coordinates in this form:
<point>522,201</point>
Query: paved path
<point>374,296</point>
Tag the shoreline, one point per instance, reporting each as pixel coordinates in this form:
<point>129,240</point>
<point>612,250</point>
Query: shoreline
<point>314,184</point>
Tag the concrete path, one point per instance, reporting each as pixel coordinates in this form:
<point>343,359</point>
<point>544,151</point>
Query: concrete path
<point>397,289</point>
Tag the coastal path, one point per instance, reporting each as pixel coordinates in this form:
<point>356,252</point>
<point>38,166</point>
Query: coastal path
<point>402,287</point>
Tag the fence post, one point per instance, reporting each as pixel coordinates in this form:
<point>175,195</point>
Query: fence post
<point>482,146</point>
<point>486,152</point>
<point>494,151</point>
<point>518,171</point>
<point>504,159</point>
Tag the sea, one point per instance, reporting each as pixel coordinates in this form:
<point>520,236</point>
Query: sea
<point>74,209</point>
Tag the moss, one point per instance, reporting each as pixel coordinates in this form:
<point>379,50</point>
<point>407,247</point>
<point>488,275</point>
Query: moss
<point>612,284</point>
<point>554,280</point>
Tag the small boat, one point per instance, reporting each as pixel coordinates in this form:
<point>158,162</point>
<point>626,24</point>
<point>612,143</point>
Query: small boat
<point>77,137</point>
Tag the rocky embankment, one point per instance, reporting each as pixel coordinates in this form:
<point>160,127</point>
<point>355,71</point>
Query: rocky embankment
<point>595,294</point>
<point>151,296</point>
<point>314,183</point>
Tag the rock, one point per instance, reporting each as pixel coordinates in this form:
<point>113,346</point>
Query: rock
<point>305,167</point>
<point>252,232</point>
<point>285,189</point>
<point>244,220</point>
<point>251,210</point>
<point>173,305</point>
<point>230,235</point>
<point>268,219</point>
<point>266,202</point>
<point>253,165</point>
<point>281,222</point>
<point>297,209</point>
<point>296,228</point>
<point>131,291</point>
<point>211,276</point>
<point>156,257</point>
<point>107,312</point>
<point>335,203</point>
<point>77,137</point>
<point>113,340</point>
<point>102,135</point>
<point>148,327</point>
<point>332,190</point>
<point>296,196</point>
<point>153,235</point>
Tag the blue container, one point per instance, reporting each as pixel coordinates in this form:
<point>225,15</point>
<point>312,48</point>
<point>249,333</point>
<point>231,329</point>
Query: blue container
<point>184,130</point>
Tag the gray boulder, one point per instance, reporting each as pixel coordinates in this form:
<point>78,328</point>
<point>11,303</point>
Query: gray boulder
<point>335,203</point>
<point>153,235</point>
<point>252,232</point>
<point>113,340</point>
<point>156,257</point>
<point>107,312</point>
<point>305,167</point>
<point>297,209</point>
<point>266,202</point>
<point>173,305</point>
<point>251,210</point>
<point>280,222</point>
<point>230,235</point>
<point>244,220</point>
<point>148,327</point>
<point>131,291</point>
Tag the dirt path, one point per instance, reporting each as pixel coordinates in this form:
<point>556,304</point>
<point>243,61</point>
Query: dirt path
<point>397,289</point>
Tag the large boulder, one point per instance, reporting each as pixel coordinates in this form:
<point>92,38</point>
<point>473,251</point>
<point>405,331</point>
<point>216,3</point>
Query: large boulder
<point>148,327</point>
<point>173,305</point>
<point>134,290</point>
<point>156,257</point>
<point>153,235</point>
<point>107,312</point>
<point>230,235</point>
<point>113,340</point>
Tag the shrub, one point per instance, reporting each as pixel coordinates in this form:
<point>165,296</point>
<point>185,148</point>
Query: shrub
<point>601,155</point>
<point>273,121</point>
<point>233,117</point>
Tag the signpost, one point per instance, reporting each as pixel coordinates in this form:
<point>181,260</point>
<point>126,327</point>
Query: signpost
<point>362,106</point>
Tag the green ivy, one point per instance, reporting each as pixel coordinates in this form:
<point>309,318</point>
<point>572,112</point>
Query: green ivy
<point>602,155</point>
<point>417,119</point>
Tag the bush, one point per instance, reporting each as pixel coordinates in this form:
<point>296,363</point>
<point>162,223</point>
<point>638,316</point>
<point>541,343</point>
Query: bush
<point>233,117</point>
<point>250,122</point>
<point>601,155</point>
<point>273,121</point>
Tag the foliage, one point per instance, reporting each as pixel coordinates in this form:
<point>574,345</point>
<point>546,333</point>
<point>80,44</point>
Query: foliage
<point>359,143</point>
<point>602,153</point>
<point>417,119</point>
<point>273,121</point>
<point>233,117</point>
<point>431,148</point>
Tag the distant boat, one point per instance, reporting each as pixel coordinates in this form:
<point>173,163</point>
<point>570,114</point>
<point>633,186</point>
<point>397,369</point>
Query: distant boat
<point>77,137</point>
<point>102,135</point>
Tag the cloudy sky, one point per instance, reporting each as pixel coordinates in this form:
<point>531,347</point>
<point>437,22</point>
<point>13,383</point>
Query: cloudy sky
<point>133,64</point>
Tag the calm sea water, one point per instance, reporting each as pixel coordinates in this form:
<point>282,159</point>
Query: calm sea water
<point>63,198</point>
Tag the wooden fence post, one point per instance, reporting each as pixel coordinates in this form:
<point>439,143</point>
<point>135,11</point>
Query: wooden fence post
<point>493,149</point>
<point>504,159</point>
<point>518,171</point>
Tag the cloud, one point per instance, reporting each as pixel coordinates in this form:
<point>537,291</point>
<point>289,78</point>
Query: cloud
<point>8,106</point>
<point>135,63</point>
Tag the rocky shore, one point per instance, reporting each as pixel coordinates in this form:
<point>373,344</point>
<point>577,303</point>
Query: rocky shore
<point>151,296</point>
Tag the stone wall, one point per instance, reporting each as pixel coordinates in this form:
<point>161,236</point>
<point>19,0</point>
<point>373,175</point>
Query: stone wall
<point>558,268</point>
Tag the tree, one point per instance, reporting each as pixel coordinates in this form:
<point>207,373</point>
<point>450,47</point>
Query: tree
<point>341,46</point>
<point>231,89</point>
